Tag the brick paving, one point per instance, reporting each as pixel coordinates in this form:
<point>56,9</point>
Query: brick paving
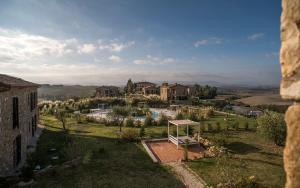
<point>166,151</point>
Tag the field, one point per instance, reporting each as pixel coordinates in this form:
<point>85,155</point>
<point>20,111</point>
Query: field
<point>264,99</point>
<point>107,162</point>
<point>63,92</point>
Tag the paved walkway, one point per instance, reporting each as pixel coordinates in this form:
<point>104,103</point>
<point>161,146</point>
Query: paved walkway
<point>166,151</point>
<point>187,176</point>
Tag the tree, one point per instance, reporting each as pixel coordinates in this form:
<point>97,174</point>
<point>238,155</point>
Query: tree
<point>206,92</point>
<point>142,131</point>
<point>61,115</point>
<point>129,87</point>
<point>148,121</point>
<point>272,126</point>
<point>119,113</point>
<point>163,120</point>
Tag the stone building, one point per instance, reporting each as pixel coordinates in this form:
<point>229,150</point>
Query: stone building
<point>151,90</point>
<point>290,87</point>
<point>107,91</point>
<point>139,86</point>
<point>18,121</point>
<point>174,92</point>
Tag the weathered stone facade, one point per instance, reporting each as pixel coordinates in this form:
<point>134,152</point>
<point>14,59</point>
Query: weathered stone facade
<point>107,91</point>
<point>27,119</point>
<point>290,87</point>
<point>175,92</point>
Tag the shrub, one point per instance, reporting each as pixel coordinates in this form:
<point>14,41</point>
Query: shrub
<point>179,116</point>
<point>202,128</point>
<point>217,127</point>
<point>3,182</point>
<point>129,122</point>
<point>193,117</point>
<point>246,125</point>
<point>207,112</point>
<point>163,120</point>
<point>138,123</point>
<point>164,134</point>
<point>191,130</point>
<point>85,111</point>
<point>272,126</point>
<point>27,173</point>
<point>130,135</point>
<point>79,118</point>
<point>148,121</point>
<point>142,132</point>
<point>209,127</point>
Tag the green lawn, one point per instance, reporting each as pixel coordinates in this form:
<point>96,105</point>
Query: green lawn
<point>109,163</point>
<point>105,161</point>
<point>250,155</point>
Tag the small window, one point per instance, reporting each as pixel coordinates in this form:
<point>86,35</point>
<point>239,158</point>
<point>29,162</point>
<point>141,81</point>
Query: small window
<point>15,112</point>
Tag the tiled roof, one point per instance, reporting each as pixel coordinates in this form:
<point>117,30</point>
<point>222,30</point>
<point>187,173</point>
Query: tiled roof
<point>15,82</point>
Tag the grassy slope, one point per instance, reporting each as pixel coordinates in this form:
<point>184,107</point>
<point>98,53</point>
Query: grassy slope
<point>252,155</point>
<point>120,165</point>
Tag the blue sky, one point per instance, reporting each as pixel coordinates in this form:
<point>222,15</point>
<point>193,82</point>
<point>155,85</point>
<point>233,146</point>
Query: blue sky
<point>109,41</point>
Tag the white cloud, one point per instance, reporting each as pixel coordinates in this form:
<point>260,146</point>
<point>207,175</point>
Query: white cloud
<point>150,60</point>
<point>115,59</point>
<point>115,46</point>
<point>86,49</point>
<point>212,40</point>
<point>19,46</point>
<point>256,36</point>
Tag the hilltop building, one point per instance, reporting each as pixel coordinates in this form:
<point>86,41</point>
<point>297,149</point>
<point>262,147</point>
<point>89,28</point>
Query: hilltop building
<point>18,121</point>
<point>174,92</point>
<point>107,91</point>
<point>139,86</point>
<point>151,90</point>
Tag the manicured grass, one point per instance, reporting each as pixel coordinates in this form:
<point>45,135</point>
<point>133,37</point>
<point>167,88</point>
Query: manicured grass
<point>105,161</point>
<point>109,163</point>
<point>250,155</point>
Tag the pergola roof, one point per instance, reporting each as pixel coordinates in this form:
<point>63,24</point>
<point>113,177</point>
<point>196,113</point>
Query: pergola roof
<point>183,122</point>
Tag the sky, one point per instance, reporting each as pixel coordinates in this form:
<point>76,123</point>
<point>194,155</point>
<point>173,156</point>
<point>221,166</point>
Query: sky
<point>95,42</point>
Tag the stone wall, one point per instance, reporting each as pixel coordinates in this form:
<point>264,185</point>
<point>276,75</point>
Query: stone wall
<point>290,87</point>
<point>8,134</point>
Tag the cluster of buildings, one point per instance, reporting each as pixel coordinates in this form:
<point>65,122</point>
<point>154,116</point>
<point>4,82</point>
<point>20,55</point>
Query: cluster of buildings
<point>167,92</point>
<point>18,121</point>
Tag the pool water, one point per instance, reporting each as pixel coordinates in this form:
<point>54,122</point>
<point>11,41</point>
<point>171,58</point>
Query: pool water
<point>154,115</point>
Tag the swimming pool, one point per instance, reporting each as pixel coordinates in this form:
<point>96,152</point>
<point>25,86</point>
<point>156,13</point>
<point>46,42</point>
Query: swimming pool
<point>154,115</point>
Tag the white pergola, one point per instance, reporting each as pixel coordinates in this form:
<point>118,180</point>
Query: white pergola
<point>180,140</point>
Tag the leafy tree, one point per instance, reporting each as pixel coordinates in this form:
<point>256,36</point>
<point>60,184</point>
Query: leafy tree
<point>272,126</point>
<point>148,121</point>
<point>142,132</point>
<point>61,115</point>
<point>119,113</point>
<point>129,87</point>
<point>206,92</point>
<point>163,120</point>
<point>179,116</point>
<point>129,122</point>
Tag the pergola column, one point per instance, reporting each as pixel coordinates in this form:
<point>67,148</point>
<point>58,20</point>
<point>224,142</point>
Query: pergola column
<point>168,131</point>
<point>177,136</point>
